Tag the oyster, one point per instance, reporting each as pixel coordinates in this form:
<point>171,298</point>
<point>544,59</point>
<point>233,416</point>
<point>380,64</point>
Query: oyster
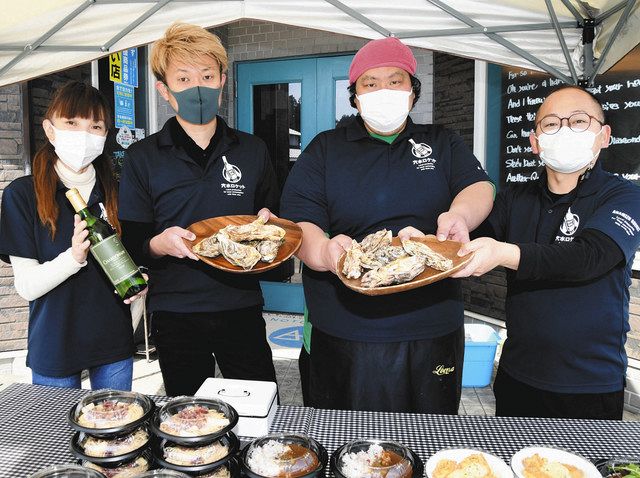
<point>382,256</point>
<point>268,249</point>
<point>256,230</point>
<point>236,253</point>
<point>431,257</point>
<point>208,247</point>
<point>352,267</point>
<point>396,272</point>
<point>375,241</point>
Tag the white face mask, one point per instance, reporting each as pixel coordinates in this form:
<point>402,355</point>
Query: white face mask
<point>567,151</point>
<point>384,110</point>
<point>77,149</point>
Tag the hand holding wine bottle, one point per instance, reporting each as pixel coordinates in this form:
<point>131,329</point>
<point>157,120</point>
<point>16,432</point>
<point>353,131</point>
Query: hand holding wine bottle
<point>107,249</point>
<point>79,242</point>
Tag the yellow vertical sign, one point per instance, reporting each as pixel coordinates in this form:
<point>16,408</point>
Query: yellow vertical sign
<point>115,67</point>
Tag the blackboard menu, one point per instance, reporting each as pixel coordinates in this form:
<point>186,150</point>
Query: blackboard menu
<point>523,91</point>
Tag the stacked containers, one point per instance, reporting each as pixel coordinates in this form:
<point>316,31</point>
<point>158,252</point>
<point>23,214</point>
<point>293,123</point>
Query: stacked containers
<point>112,434</point>
<point>193,435</point>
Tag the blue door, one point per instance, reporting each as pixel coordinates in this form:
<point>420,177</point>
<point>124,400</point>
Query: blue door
<point>286,103</point>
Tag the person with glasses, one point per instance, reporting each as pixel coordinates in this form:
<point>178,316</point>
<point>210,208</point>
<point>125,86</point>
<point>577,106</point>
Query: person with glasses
<point>569,242</point>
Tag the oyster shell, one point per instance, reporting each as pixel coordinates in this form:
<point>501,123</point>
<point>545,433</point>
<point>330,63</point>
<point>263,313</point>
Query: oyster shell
<point>236,253</point>
<point>382,256</point>
<point>431,257</point>
<point>352,267</point>
<point>396,272</point>
<point>375,241</point>
<point>268,249</point>
<point>256,230</point>
<point>208,247</point>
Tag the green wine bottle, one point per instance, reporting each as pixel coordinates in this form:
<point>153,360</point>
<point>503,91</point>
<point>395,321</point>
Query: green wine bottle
<point>107,249</point>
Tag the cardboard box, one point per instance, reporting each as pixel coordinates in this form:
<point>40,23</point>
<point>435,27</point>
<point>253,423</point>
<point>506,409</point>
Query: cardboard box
<point>254,401</point>
<point>480,345</point>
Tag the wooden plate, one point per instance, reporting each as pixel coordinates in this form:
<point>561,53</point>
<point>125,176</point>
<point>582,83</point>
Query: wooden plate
<point>449,249</point>
<point>208,227</point>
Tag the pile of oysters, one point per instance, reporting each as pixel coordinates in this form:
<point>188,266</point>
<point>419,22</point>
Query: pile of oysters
<point>387,264</point>
<point>244,245</point>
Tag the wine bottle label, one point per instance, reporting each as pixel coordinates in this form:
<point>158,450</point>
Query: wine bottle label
<point>114,259</point>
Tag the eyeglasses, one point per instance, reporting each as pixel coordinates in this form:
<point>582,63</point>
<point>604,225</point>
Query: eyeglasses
<point>578,122</point>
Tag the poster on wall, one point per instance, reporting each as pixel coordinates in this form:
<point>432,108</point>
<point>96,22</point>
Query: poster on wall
<point>523,91</point>
<point>124,103</point>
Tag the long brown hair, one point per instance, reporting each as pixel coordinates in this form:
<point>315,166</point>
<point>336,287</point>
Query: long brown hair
<point>73,100</point>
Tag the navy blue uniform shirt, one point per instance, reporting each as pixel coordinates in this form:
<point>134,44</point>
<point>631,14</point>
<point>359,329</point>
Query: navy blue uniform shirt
<point>347,182</point>
<point>81,323</point>
<point>568,337</point>
<point>163,185</point>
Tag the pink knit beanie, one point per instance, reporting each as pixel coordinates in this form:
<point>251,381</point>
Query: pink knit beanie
<point>384,52</point>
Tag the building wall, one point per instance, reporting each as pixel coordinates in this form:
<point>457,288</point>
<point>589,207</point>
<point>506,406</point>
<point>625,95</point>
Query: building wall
<point>14,153</point>
<point>247,40</point>
<point>13,309</point>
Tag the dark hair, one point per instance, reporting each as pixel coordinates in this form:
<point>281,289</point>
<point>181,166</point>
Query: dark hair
<point>594,99</point>
<point>415,84</point>
<point>74,99</point>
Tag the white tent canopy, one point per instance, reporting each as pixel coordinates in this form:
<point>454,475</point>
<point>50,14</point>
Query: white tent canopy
<point>38,37</point>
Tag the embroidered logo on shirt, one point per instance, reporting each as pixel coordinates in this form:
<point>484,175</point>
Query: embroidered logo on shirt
<point>628,224</point>
<point>420,150</point>
<point>442,370</point>
<point>570,224</point>
<point>231,172</point>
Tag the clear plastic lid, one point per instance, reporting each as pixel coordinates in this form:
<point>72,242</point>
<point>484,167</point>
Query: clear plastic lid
<point>373,459</point>
<point>282,455</point>
<point>125,470</point>
<point>109,449</point>
<point>195,459</point>
<point>164,473</point>
<point>67,471</point>
<point>191,420</point>
<point>110,412</point>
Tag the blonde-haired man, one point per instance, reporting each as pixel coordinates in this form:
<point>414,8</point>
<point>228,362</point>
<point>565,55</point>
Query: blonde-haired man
<point>195,168</point>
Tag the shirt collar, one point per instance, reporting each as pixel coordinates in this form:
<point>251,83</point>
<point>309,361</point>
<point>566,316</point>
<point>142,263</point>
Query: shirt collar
<point>166,138</point>
<point>590,182</point>
<point>357,131</point>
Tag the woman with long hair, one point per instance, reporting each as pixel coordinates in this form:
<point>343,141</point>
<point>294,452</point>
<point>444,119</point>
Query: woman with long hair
<point>76,322</point>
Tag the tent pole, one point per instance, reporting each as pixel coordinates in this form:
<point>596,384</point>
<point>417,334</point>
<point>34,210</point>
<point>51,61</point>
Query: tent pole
<point>360,17</point>
<point>524,27</point>
<point>576,14</point>
<point>563,44</point>
<point>134,24</point>
<point>588,34</point>
<point>505,43</point>
<point>29,48</point>
<point>616,8</point>
<point>621,21</point>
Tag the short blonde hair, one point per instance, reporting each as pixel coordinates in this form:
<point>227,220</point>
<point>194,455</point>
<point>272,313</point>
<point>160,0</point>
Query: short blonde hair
<point>183,42</point>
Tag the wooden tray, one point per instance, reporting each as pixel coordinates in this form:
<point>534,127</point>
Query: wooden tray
<point>208,227</point>
<point>449,249</point>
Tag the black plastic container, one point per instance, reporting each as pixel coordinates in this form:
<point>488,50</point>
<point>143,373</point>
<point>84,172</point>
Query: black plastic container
<point>66,471</point>
<point>230,441</point>
<point>396,470</point>
<point>79,440</point>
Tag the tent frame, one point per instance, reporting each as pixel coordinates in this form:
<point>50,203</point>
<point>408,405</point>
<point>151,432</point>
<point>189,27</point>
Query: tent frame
<point>583,20</point>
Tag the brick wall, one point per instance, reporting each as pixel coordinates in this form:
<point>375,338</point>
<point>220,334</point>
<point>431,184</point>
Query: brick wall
<point>13,309</point>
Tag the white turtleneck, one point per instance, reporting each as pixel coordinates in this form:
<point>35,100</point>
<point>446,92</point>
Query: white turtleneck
<point>32,279</point>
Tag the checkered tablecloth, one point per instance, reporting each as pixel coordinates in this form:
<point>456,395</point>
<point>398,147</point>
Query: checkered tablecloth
<point>34,432</point>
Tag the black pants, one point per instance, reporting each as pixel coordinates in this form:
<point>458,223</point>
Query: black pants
<point>188,346</point>
<point>517,399</point>
<point>422,376</point>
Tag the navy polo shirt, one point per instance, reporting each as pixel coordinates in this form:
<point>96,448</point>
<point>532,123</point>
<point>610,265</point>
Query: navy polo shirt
<point>162,185</point>
<point>568,337</point>
<point>347,182</point>
<point>81,323</point>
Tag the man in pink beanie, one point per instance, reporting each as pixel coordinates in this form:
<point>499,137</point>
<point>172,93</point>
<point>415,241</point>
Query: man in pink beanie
<point>404,352</point>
